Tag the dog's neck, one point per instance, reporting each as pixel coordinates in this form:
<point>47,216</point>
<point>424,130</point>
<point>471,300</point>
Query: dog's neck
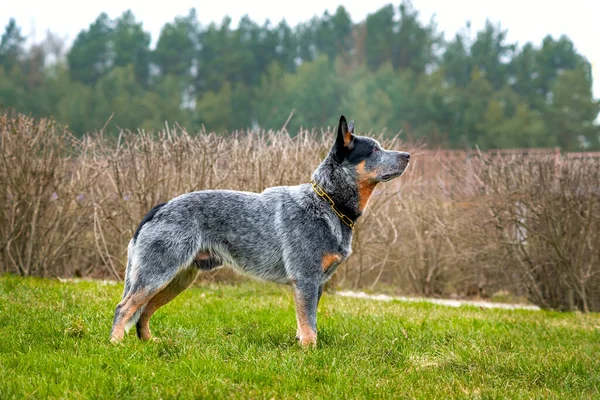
<point>340,185</point>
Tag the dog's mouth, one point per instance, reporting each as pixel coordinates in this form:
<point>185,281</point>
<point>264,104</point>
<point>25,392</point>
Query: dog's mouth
<point>393,175</point>
<point>389,177</point>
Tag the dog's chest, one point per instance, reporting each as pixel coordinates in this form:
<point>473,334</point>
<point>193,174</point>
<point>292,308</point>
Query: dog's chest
<point>335,255</point>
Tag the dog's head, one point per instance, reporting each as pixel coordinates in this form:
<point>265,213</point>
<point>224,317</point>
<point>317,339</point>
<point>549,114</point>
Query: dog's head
<point>355,165</point>
<point>365,157</point>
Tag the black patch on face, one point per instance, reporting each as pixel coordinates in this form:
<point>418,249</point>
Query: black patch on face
<point>363,148</point>
<point>148,217</point>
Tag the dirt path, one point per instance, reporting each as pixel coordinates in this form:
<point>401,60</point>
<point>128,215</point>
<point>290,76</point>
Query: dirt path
<point>443,302</point>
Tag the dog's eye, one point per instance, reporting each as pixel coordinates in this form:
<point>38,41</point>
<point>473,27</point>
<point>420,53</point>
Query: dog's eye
<point>375,149</point>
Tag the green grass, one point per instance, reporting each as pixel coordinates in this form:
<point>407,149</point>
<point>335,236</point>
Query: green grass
<point>238,341</point>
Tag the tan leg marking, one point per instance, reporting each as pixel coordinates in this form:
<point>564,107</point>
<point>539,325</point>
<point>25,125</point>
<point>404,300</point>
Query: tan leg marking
<point>306,335</point>
<point>329,259</point>
<point>181,282</point>
<point>130,305</point>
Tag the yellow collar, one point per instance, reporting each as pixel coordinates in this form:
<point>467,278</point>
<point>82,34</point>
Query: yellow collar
<point>320,192</point>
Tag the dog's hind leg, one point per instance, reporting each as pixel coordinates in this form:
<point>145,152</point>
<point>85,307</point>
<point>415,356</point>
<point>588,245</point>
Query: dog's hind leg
<point>141,291</point>
<point>181,282</point>
<point>154,260</point>
<point>126,310</point>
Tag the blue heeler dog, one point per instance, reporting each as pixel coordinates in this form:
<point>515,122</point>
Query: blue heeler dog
<point>294,235</point>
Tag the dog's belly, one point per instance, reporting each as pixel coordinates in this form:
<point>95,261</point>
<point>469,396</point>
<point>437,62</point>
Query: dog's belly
<point>265,264</point>
<point>271,273</point>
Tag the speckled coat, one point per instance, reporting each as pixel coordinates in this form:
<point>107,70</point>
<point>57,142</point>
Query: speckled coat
<point>288,234</point>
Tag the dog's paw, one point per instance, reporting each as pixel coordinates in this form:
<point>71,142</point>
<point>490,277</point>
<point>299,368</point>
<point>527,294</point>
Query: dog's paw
<point>115,339</point>
<point>148,338</point>
<point>308,339</point>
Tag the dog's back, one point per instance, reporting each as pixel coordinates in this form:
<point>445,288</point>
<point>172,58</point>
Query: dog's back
<point>232,227</point>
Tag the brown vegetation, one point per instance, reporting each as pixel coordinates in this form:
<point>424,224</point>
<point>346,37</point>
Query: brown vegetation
<point>456,224</point>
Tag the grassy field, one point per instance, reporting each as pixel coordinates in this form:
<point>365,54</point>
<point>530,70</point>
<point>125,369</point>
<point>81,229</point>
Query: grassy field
<point>238,342</point>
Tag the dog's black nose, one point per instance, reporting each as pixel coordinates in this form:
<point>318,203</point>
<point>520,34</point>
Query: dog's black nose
<point>405,155</point>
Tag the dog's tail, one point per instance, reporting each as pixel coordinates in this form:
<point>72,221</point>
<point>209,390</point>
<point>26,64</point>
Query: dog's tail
<point>129,269</point>
<point>130,275</point>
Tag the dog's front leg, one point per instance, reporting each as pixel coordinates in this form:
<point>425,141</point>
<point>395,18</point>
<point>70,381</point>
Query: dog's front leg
<point>307,298</point>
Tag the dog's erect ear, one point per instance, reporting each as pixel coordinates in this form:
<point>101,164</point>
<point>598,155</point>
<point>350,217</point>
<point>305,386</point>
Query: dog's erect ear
<point>344,140</point>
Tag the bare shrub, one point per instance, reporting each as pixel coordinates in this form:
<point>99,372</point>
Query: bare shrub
<point>44,211</point>
<point>456,224</point>
<point>549,224</point>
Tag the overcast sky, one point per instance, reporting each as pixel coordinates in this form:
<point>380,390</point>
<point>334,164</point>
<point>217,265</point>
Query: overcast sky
<point>525,20</point>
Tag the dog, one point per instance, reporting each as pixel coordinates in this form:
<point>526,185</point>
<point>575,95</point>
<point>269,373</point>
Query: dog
<point>295,235</point>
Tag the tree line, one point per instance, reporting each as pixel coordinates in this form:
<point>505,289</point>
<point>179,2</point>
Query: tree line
<point>389,72</point>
